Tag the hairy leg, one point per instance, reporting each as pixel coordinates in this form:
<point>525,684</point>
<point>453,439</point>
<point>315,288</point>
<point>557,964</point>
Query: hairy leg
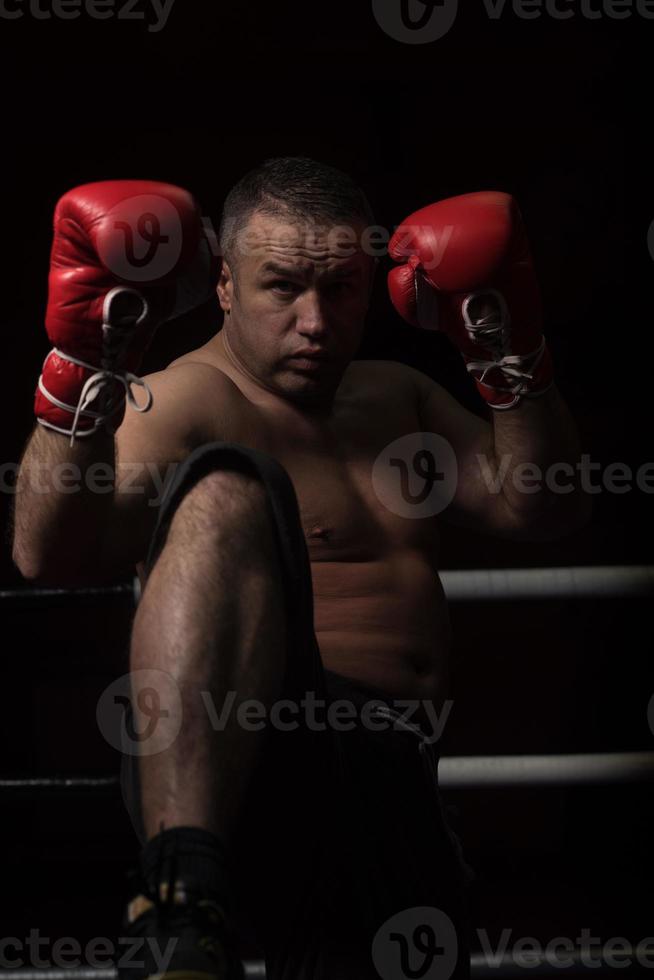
<point>212,617</point>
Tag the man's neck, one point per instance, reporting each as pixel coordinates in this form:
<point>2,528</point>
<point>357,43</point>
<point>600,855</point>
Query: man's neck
<point>320,408</point>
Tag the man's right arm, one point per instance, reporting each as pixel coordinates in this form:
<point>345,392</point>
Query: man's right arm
<point>58,521</point>
<point>102,312</point>
<point>95,523</point>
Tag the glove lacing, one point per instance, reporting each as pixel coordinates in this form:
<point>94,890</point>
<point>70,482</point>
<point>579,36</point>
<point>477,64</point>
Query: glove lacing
<point>492,332</point>
<point>117,332</point>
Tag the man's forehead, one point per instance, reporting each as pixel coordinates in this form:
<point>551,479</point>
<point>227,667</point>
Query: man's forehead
<point>271,240</point>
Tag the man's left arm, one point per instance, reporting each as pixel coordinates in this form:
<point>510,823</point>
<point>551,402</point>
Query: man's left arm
<point>538,446</point>
<point>466,270</point>
<point>517,475</point>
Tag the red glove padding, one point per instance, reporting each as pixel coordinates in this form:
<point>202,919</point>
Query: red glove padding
<point>126,255</point>
<point>468,272</point>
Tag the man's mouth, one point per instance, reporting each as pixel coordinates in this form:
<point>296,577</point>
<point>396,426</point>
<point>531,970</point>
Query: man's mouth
<point>310,354</point>
<point>308,360</point>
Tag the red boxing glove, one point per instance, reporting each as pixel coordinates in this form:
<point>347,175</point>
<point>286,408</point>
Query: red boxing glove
<point>126,255</point>
<point>468,272</point>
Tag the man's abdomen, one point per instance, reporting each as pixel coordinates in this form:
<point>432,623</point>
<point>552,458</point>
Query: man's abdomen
<point>384,622</point>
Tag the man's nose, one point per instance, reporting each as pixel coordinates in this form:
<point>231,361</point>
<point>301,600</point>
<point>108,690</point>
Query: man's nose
<point>312,321</point>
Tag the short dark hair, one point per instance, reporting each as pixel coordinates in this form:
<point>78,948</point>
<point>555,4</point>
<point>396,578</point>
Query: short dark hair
<point>295,187</point>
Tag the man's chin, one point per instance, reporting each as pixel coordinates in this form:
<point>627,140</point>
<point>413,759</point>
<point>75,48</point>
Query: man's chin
<point>311,386</point>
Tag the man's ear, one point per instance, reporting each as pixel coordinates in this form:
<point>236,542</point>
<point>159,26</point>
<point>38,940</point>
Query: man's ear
<point>225,287</point>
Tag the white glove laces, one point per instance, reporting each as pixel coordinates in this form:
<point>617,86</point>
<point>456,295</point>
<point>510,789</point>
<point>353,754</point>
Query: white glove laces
<point>117,333</point>
<point>492,331</point>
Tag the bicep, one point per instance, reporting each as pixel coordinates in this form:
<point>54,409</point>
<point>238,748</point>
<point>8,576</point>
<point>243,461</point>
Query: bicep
<point>149,447</point>
<point>477,502</point>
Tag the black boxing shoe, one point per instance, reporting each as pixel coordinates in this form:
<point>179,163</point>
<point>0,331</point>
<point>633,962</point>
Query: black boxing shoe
<point>177,933</point>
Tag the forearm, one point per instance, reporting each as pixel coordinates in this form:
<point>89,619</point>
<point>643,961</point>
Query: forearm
<point>536,456</point>
<point>64,501</point>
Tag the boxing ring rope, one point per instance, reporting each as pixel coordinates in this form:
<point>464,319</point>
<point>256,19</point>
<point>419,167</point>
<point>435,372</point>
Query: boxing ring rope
<point>49,597</point>
<point>79,973</point>
<point>506,771</point>
<point>502,966</point>
<point>511,584</point>
<point>454,772</point>
<point>514,965</point>
<point>34,787</point>
<point>468,585</point>
<point>254,970</point>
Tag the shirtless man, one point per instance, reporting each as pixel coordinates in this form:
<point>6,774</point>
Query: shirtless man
<point>316,838</point>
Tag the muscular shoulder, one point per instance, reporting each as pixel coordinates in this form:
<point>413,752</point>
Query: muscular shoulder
<point>387,378</point>
<point>200,378</point>
<point>197,364</point>
<point>189,398</point>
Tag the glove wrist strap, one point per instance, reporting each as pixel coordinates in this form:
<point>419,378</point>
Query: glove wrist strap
<point>124,312</point>
<point>504,378</point>
<point>99,385</point>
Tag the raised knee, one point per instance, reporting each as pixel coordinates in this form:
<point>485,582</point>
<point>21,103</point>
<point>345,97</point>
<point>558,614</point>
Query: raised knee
<point>225,499</point>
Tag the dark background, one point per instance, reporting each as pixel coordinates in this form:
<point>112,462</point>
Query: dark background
<point>556,113</point>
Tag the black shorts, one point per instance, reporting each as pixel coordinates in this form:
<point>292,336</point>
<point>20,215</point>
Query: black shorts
<point>342,827</point>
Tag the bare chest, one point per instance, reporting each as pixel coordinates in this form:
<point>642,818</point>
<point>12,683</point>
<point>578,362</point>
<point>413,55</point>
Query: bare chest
<point>333,470</point>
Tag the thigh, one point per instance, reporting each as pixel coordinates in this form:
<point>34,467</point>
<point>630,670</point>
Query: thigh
<point>303,664</point>
<point>304,667</point>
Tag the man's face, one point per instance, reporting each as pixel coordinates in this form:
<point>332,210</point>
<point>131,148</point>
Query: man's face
<point>297,300</point>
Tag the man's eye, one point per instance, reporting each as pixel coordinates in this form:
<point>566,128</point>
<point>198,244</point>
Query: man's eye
<point>285,286</point>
